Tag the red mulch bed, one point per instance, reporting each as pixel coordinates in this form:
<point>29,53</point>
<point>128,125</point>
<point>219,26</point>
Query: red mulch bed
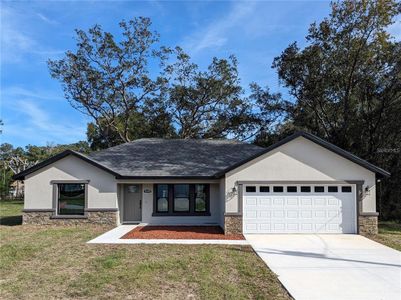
<point>181,233</point>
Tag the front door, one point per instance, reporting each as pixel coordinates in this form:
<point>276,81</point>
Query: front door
<point>132,203</point>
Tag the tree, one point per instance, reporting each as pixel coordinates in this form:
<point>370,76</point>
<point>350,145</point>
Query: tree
<point>110,81</point>
<point>15,160</point>
<point>271,113</point>
<point>346,85</point>
<point>350,70</point>
<point>208,104</point>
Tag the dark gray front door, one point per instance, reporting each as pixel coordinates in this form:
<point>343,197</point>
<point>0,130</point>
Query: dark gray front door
<point>132,203</point>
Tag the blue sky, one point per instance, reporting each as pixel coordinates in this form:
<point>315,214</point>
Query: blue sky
<point>33,108</point>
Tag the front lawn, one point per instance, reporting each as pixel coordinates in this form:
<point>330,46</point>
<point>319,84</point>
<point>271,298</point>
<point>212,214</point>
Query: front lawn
<point>51,262</point>
<point>389,235</point>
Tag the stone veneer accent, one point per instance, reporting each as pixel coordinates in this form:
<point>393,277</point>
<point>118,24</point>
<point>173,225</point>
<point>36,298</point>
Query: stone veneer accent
<point>368,224</point>
<point>232,224</point>
<point>108,218</point>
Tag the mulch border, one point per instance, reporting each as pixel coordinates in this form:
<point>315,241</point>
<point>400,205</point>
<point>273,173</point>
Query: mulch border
<point>170,232</point>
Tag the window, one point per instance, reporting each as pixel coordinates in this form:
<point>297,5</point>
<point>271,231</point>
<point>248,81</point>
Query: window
<point>291,189</point>
<point>162,198</point>
<point>250,189</point>
<point>305,189</point>
<point>133,188</point>
<point>71,199</point>
<point>278,189</point>
<point>264,189</point>
<point>200,197</point>
<point>346,189</point>
<point>181,199</point>
<point>333,189</point>
<point>319,189</point>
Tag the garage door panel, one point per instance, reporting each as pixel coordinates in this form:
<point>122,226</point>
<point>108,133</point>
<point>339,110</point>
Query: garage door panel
<point>320,214</point>
<point>292,227</point>
<point>251,201</point>
<point>333,213</point>
<point>333,227</point>
<point>319,201</point>
<point>278,202</point>
<point>251,227</point>
<point>306,201</point>
<point>252,214</point>
<point>265,226</point>
<point>306,227</point>
<point>320,227</point>
<point>333,202</point>
<point>292,201</point>
<point>292,214</point>
<point>279,227</point>
<point>265,214</point>
<point>299,212</point>
<point>265,201</point>
<point>278,214</point>
<point>306,214</point>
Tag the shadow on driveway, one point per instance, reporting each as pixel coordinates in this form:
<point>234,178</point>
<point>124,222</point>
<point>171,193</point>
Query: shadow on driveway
<point>318,255</point>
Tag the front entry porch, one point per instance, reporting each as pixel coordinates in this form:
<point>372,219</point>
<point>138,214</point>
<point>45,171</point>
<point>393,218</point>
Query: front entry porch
<point>165,202</point>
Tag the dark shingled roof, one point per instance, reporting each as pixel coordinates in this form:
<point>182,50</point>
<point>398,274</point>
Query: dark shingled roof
<point>169,158</point>
<point>174,157</point>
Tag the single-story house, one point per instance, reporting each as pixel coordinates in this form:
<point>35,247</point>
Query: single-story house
<point>301,184</point>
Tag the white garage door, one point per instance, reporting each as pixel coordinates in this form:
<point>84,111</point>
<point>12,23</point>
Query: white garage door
<point>301,208</point>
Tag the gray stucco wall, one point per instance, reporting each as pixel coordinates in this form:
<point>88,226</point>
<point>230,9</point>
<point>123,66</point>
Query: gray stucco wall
<point>102,187</point>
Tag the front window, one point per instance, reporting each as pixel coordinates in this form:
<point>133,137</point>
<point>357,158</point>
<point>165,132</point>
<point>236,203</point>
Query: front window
<point>181,197</point>
<point>200,197</point>
<point>162,198</point>
<point>71,199</point>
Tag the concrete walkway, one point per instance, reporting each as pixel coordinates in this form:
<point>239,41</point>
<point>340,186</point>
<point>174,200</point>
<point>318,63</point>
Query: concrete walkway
<point>331,266</point>
<point>114,237</point>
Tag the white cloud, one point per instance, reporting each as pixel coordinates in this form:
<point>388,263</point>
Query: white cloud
<point>39,116</point>
<point>46,19</point>
<point>215,35</point>
<point>13,44</point>
<point>17,92</point>
<point>31,121</point>
<point>17,44</point>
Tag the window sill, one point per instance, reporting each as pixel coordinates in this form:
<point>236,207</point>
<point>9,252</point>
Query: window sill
<point>69,217</point>
<point>156,214</point>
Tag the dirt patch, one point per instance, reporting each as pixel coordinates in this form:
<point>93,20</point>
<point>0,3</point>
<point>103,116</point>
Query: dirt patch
<point>181,233</point>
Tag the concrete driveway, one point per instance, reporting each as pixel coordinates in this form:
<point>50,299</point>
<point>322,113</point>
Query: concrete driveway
<point>331,266</point>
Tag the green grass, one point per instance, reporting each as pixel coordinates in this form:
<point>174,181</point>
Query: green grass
<point>46,262</point>
<point>389,235</point>
<point>10,212</point>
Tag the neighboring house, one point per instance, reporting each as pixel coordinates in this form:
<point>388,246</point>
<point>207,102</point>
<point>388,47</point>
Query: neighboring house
<point>16,189</point>
<point>302,184</point>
